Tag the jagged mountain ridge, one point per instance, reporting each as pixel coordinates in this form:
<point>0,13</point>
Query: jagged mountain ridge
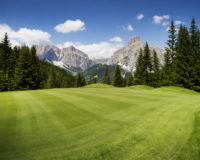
<point>68,58</point>
<point>74,60</point>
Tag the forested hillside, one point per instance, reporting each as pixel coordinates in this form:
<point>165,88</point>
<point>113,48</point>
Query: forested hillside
<point>20,69</point>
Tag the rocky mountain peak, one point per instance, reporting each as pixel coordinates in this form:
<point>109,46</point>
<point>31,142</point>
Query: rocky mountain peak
<point>127,56</point>
<point>65,57</point>
<point>134,41</point>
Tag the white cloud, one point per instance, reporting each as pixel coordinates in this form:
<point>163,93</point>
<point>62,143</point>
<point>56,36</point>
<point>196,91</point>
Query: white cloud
<point>70,26</point>
<point>165,23</point>
<point>116,39</point>
<point>24,35</point>
<point>140,16</point>
<point>130,27</point>
<point>160,19</point>
<point>178,23</point>
<point>103,49</point>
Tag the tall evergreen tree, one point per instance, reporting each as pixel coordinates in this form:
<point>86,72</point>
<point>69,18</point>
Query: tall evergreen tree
<point>34,71</point>
<point>80,80</point>
<point>184,59</point>
<point>140,70</point>
<point>172,40</point>
<point>148,68</point>
<point>83,81</point>
<point>22,69</point>
<point>167,69</point>
<point>130,80</point>
<point>195,54</point>
<point>117,78</point>
<point>7,74</point>
<point>106,79</point>
<point>156,70</point>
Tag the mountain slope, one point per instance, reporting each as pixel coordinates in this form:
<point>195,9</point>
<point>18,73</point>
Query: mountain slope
<point>69,58</point>
<point>128,55</point>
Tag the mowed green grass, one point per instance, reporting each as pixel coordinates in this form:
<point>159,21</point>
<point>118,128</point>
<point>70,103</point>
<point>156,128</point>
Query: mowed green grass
<point>100,123</point>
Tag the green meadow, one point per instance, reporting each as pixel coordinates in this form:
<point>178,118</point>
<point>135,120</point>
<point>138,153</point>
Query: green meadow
<point>100,122</point>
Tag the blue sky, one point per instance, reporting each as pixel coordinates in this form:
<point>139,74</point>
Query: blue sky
<point>93,23</point>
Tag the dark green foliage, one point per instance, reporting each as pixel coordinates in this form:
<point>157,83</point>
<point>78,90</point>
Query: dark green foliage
<point>7,65</point>
<point>148,68</point>
<point>117,78</point>
<point>80,80</point>
<point>167,69</point>
<point>55,77</point>
<point>172,40</point>
<point>139,73</point>
<point>21,69</point>
<point>195,53</point>
<point>156,70</point>
<point>106,79</point>
<point>130,80</point>
<point>184,59</point>
<point>99,70</point>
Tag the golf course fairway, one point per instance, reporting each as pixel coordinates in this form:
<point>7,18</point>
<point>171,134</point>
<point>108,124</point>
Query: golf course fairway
<point>100,123</point>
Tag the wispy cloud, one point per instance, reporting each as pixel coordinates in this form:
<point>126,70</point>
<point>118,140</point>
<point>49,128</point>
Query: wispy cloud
<point>130,28</point>
<point>116,39</point>
<point>140,16</point>
<point>178,22</point>
<point>70,26</point>
<point>160,19</point>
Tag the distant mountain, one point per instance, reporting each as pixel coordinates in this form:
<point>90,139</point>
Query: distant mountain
<point>70,58</point>
<point>74,60</point>
<point>127,56</point>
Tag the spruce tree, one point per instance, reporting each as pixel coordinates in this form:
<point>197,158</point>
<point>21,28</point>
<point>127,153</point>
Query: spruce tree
<point>130,80</point>
<point>7,75</point>
<point>83,81</point>
<point>148,68</point>
<point>80,80</point>
<point>172,40</point>
<point>34,71</point>
<point>156,70</point>
<point>195,56</point>
<point>167,69</point>
<point>22,69</point>
<point>106,79</point>
<point>117,78</point>
<point>184,59</point>
<point>139,72</point>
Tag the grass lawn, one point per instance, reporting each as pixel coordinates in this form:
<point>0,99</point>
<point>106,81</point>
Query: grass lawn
<point>100,123</point>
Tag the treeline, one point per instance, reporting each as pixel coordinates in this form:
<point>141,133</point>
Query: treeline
<point>20,69</point>
<point>181,62</point>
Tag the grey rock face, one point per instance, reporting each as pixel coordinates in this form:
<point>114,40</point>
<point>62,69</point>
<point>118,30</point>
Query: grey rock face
<point>63,57</point>
<point>127,56</point>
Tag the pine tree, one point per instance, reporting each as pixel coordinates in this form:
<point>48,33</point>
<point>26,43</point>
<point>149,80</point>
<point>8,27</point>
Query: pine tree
<point>117,78</point>
<point>22,69</point>
<point>156,70</point>
<point>184,59</point>
<point>83,81</point>
<point>80,80</point>
<point>7,74</point>
<point>106,79</point>
<point>34,71</point>
<point>130,80</point>
<point>139,72</point>
<point>167,69</point>
<point>172,40</point>
<point>195,59</point>
<point>148,68</point>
